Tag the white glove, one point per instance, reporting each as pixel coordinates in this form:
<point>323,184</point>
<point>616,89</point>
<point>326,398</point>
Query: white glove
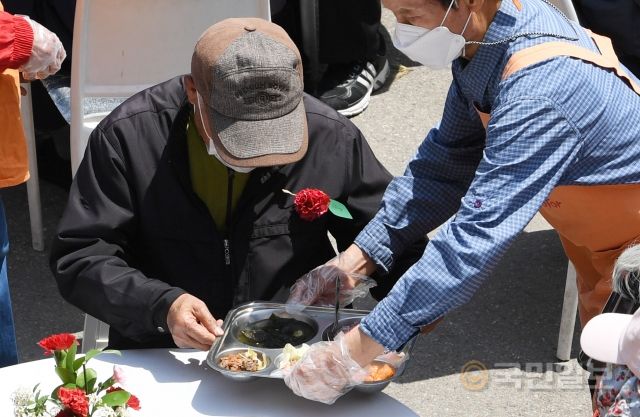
<point>325,372</point>
<point>47,53</point>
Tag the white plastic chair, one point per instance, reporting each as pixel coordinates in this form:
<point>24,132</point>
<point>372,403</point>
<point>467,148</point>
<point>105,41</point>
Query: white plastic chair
<point>570,302</point>
<point>567,8</point>
<point>121,47</point>
<point>568,317</point>
<point>33,185</point>
<point>95,334</point>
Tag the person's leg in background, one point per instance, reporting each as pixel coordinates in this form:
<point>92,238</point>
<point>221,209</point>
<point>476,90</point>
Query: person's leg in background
<point>354,50</point>
<point>351,48</point>
<point>617,20</point>
<point>286,13</point>
<point>8,348</point>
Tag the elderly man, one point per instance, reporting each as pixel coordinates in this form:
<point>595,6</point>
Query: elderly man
<point>177,212</point>
<point>540,116</point>
<point>28,47</point>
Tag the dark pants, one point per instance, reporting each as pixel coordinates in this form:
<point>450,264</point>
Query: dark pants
<point>618,20</point>
<point>348,28</point>
<point>8,349</point>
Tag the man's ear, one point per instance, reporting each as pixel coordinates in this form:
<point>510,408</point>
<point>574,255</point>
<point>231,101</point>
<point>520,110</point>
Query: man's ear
<point>190,86</point>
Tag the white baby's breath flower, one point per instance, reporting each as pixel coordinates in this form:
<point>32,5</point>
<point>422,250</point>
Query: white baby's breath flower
<point>22,412</point>
<point>23,402</point>
<point>23,396</point>
<point>122,412</point>
<point>93,399</point>
<point>53,409</point>
<point>104,411</point>
<point>126,412</point>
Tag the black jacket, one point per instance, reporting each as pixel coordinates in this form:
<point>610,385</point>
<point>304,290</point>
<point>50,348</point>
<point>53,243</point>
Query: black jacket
<point>134,235</point>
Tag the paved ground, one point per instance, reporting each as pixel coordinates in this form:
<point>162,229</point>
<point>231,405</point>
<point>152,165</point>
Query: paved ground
<point>510,327</point>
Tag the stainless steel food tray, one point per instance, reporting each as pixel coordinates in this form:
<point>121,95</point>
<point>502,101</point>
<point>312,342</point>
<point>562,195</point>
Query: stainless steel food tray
<point>321,318</point>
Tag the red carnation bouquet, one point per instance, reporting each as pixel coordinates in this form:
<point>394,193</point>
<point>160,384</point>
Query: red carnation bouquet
<point>311,203</point>
<point>80,394</point>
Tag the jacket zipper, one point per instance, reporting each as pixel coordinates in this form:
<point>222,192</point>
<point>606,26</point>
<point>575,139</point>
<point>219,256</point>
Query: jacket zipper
<point>228,252</point>
<point>227,241</point>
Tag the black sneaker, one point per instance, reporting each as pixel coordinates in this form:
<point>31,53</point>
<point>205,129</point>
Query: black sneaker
<point>347,88</point>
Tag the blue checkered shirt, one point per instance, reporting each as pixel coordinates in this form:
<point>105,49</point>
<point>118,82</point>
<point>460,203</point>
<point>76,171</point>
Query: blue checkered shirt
<point>559,122</point>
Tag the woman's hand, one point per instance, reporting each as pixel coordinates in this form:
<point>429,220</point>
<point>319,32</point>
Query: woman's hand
<point>47,53</point>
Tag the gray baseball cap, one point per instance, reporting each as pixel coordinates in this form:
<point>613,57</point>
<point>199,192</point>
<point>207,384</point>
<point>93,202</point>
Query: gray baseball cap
<point>249,74</point>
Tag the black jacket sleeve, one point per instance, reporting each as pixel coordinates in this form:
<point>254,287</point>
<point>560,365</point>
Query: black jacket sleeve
<point>93,259</point>
<point>367,180</point>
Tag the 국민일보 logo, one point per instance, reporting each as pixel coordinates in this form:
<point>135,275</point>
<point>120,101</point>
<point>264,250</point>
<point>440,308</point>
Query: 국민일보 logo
<point>474,376</point>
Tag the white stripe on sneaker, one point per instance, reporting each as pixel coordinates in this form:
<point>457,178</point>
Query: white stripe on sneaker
<point>371,69</point>
<point>365,82</point>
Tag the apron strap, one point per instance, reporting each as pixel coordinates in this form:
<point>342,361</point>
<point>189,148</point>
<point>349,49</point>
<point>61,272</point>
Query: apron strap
<point>592,252</point>
<point>518,5</point>
<point>13,146</point>
<point>544,51</point>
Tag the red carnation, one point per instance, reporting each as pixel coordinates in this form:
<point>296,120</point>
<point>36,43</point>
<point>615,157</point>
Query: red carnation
<point>75,400</point>
<point>311,203</point>
<point>57,342</point>
<point>132,402</point>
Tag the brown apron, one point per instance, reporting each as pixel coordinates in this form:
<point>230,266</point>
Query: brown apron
<point>595,222</point>
<point>14,166</point>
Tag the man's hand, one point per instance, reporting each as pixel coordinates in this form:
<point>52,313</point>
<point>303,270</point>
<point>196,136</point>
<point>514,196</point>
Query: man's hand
<point>318,286</point>
<point>47,53</point>
<point>363,349</point>
<point>191,324</point>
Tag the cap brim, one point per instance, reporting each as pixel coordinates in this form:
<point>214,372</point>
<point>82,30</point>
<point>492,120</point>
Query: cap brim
<point>601,337</point>
<point>258,143</point>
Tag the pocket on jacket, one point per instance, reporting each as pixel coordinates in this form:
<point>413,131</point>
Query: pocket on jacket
<point>270,230</point>
<point>293,227</point>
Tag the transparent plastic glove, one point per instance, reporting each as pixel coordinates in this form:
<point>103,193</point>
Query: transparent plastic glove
<point>325,372</point>
<point>394,358</point>
<point>47,53</point>
<point>318,286</point>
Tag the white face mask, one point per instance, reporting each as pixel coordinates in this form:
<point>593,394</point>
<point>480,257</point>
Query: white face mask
<point>211,148</point>
<point>435,48</point>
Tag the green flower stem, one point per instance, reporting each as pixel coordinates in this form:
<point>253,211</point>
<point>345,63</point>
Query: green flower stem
<point>59,356</point>
<point>84,376</point>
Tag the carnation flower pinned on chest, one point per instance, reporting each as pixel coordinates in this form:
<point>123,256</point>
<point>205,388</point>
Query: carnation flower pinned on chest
<point>311,203</point>
<point>80,394</point>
